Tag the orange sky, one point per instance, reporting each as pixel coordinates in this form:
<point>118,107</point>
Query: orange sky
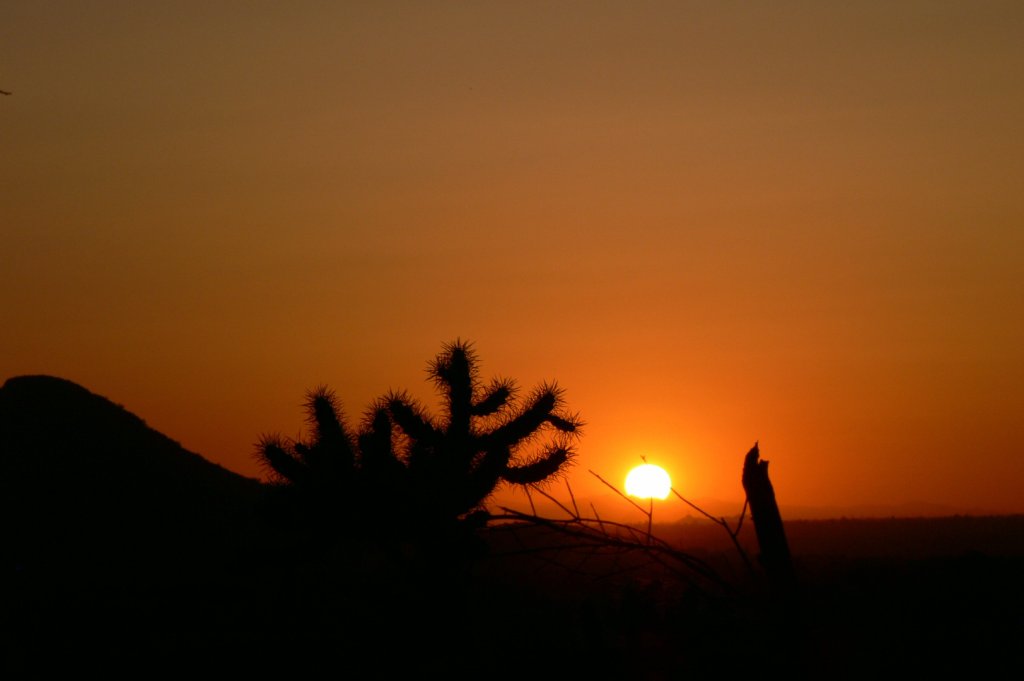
<point>712,223</point>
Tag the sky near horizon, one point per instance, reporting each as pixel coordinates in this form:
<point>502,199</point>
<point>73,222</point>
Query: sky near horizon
<point>712,223</point>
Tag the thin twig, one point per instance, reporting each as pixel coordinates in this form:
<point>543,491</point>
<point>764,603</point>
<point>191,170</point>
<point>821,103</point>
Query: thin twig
<point>555,501</point>
<point>650,518</point>
<point>533,509</point>
<point>743,513</point>
<point>733,534</point>
<point>575,528</point>
<point>696,507</point>
<point>736,540</point>
<point>573,498</point>
<point>597,516</point>
<point>616,490</point>
<point>595,533</point>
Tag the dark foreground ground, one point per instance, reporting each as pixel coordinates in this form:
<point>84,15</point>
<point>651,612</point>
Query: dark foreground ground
<point>879,597</point>
<point>124,554</point>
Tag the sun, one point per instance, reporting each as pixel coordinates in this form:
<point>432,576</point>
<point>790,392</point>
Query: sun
<point>648,482</point>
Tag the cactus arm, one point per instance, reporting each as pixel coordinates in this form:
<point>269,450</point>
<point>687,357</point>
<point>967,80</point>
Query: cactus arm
<point>495,397</point>
<point>331,435</point>
<point>526,423</point>
<point>541,468</point>
<point>378,453</point>
<point>484,477</point>
<point>410,420</point>
<point>453,372</point>
<point>272,454</point>
<point>570,424</point>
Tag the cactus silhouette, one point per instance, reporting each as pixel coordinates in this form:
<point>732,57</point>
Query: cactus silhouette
<point>404,467</point>
<point>337,472</point>
<point>456,462</point>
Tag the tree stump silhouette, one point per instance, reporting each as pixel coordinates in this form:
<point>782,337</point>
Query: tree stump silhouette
<point>764,511</point>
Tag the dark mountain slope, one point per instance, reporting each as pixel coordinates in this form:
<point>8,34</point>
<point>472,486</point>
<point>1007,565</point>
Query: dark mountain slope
<point>80,473</point>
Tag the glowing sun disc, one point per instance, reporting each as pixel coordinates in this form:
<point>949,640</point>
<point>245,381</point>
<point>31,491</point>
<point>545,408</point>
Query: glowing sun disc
<point>648,481</point>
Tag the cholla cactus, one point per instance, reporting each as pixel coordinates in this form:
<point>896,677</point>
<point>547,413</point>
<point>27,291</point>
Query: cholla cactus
<point>441,469</point>
<point>455,463</point>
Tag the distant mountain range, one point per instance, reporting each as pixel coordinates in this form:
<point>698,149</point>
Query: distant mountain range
<point>612,507</point>
<point>910,509</point>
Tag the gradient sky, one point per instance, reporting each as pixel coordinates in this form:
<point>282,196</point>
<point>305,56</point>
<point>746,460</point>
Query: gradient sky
<point>712,223</point>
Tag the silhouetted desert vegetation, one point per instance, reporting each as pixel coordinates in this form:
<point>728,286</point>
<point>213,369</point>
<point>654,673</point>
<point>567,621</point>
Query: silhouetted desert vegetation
<point>124,553</point>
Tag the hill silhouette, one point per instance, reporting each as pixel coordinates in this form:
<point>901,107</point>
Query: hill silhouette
<point>80,472</point>
<point>116,538</point>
